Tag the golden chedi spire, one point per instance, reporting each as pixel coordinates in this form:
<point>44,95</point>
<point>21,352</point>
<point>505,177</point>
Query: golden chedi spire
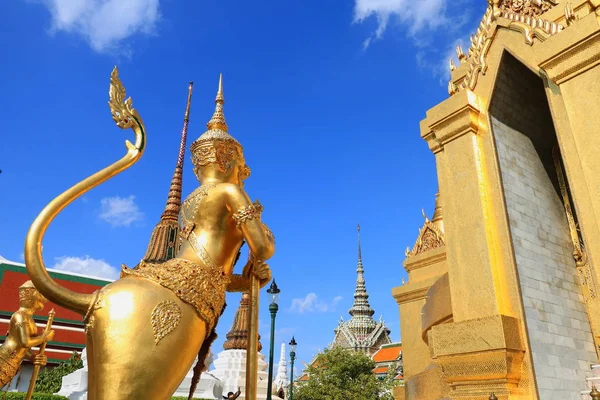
<point>438,219</point>
<point>237,337</point>
<point>217,122</point>
<point>164,241</point>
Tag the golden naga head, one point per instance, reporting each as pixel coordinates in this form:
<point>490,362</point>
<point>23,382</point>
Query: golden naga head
<point>217,151</point>
<point>29,297</point>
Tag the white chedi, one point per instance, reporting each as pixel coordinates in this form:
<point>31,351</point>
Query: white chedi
<point>74,386</point>
<point>230,369</point>
<point>281,381</point>
<point>209,387</point>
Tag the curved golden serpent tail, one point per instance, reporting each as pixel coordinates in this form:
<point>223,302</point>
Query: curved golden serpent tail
<point>125,116</point>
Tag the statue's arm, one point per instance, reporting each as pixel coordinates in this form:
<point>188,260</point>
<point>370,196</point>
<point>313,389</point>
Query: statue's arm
<point>241,283</point>
<point>30,355</point>
<point>247,217</point>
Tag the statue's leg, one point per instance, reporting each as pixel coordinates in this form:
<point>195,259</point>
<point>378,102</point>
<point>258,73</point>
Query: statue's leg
<point>133,313</point>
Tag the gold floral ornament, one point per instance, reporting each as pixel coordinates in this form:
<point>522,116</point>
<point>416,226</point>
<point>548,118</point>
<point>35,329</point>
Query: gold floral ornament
<point>431,235</point>
<point>123,113</point>
<point>248,213</point>
<point>165,318</point>
<point>525,17</point>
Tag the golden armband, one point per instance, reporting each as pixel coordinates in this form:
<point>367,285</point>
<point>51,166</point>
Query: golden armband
<point>269,233</point>
<point>248,213</point>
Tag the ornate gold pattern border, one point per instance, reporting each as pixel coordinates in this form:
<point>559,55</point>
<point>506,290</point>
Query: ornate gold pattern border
<point>578,58</point>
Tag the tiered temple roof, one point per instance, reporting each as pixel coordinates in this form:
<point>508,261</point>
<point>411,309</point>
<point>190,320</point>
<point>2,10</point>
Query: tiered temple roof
<point>387,356</point>
<point>361,332</point>
<point>237,337</point>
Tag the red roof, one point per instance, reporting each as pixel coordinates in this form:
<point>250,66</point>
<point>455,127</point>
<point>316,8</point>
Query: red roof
<point>68,327</point>
<point>381,370</point>
<point>388,353</point>
<point>304,377</point>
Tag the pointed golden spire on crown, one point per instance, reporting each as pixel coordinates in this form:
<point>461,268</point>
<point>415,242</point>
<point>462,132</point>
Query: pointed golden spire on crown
<point>216,145</point>
<point>218,119</point>
<point>164,241</point>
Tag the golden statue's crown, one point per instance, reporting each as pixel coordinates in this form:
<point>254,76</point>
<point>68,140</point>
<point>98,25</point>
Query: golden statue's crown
<point>216,145</point>
<point>27,291</point>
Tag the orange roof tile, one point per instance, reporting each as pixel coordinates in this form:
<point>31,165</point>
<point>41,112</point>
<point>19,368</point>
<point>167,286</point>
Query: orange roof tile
<point>303,377</point>
<point>380,370</point>
<point>387,354</point>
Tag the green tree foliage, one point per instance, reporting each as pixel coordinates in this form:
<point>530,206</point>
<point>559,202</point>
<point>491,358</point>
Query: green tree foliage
<point>36,396</point>
<point>340,374</point>
<point>50,378</point>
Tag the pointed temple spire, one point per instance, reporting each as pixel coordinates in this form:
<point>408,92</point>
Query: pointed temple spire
<point>237,337</point>
<point>361,307</point>
<point>281,380</point>
<point>361,332</point>
<point>164,241</point>
<point>218,119</point>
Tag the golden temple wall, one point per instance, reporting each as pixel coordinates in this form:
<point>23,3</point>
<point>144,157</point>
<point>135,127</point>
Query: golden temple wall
<point>420,374</point>
<point>496,341</point>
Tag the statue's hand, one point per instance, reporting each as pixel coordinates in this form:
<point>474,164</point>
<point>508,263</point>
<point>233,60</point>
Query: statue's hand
<point>260,269</point>
<point>40,359</point>
<point>49,335</point>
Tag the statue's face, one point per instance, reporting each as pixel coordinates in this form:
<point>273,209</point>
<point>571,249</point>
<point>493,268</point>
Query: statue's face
<point>40,302</point>
<point>35,301</point>
<point>234,171</point>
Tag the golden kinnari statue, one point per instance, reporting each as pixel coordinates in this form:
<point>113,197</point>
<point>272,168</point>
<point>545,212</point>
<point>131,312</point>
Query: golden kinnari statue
<point>145,329</point>
<point>23,334</point>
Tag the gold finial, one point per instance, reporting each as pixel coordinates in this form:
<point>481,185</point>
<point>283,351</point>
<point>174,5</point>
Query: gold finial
<point>570,16</point>
<point>594,394</point>
<point>220,91</point>
<point>438,218</point>
<point>460,54</point>
<point>452,65</point>
<point>189,102</point>
<point>217,122</point>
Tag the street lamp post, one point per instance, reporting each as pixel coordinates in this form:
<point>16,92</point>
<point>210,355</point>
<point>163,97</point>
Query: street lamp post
<point>292,358</point>
<point>273,308</point>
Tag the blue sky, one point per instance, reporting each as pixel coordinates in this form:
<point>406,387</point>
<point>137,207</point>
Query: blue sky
<point>325,96</point>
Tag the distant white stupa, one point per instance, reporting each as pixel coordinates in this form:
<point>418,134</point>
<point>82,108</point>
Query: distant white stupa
<point>281,381</point>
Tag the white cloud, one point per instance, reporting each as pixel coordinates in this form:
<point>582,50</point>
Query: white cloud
<point>120,211</point>
<point>440,66</point>
<point>416,15</point>
<point>311,303</point>
<point>104,24</point>
<point>86,266</point>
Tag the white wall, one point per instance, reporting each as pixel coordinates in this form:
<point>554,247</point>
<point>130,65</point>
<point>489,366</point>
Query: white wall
<point>559,330</point>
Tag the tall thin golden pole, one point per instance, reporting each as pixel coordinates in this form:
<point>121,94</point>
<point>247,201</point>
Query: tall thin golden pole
<point>36,368</point>
<point>252,352</point>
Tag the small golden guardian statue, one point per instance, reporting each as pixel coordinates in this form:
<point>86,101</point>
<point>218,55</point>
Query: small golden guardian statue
<point>145,330</point>
<point>23,334</point>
